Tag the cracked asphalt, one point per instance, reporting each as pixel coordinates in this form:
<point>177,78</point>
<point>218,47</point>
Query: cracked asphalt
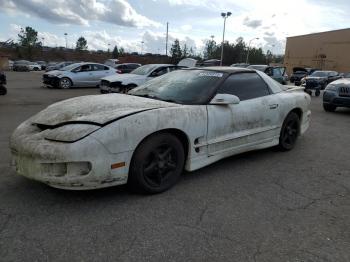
<point>259,206</point>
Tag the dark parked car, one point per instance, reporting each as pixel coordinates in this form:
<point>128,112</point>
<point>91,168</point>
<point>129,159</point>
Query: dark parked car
<point>242,65</point>
<point>21,66</point>
<point>318,81</point>
<point>337,94</point>
<point>126,67</point>
<point>3,89</point>
<point>43,64</point>
<point>345,75</point>
<point>58,66</point>
<point>278,73</point>
<point>299,73</point>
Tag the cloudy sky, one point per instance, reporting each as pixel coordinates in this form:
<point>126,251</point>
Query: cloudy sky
<point>105,23</point>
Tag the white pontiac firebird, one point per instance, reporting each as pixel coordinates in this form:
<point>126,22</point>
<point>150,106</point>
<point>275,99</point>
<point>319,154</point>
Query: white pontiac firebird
<point>186,119</point>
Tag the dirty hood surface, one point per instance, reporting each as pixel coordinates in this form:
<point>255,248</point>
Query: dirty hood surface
<point>98,109</point>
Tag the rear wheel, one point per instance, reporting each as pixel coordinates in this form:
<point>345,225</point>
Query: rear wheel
<point>289,132</point>
<point>65,83</point>
<point>317,92</point>
<point>329,108</point>
<point>156,164</point>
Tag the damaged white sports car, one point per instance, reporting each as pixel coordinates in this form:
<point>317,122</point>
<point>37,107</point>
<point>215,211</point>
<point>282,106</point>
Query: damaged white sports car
<point>186,119</point>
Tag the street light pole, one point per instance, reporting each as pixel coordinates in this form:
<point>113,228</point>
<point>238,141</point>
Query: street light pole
<point>247,60</point>
<point>65,35</point>
<point>142,47</point>
<point>224,15</point>
<point>166,38</point>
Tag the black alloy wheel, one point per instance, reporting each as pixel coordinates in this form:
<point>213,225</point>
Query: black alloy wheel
<point>157,164</point>
<point>289,132</point>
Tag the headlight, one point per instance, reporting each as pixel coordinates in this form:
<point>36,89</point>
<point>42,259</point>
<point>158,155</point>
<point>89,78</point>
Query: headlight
<point>331,87</point>
<point>70,133</point>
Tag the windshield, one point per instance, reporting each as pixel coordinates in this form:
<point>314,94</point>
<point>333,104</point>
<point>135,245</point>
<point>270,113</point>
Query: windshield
<point>181,86</point>
<point>144,70</point>
<point>319,74</point>
<point>69,67</point>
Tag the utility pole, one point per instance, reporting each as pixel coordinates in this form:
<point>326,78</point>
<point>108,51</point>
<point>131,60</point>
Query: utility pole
<point>224,15</point>
<point>142,42</point>
<point>247,59</point>
<point>166,40</point>
<point>65,35</point>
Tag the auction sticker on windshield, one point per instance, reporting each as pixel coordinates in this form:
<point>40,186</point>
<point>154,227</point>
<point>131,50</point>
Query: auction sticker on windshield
<point>211,74</point>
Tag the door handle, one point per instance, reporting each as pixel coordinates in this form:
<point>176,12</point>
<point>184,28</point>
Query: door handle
<point>273,106</point>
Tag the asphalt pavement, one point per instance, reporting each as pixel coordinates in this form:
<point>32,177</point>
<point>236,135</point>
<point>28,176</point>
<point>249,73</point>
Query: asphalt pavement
<point>260,206</point>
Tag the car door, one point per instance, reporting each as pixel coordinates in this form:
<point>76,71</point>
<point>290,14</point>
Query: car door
<point>98,72</point>
<point>82,75</point>
<point>252,122</point>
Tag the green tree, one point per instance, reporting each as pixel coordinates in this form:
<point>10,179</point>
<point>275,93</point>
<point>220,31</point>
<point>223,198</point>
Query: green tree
<point>184,52</point>
<point>269,57</point>
<point>115,52</point>
<point>175,52</point>
<point>209,50</point>
<point>81,44</point>
<point>28,40</point>
<point>121,51</point>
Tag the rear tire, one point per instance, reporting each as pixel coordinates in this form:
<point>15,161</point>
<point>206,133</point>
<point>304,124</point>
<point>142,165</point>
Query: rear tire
<point>65,83</point>
<point>317,93</point>
<point>329,108</point>
<point>289,132</point>
<point>157,164</point>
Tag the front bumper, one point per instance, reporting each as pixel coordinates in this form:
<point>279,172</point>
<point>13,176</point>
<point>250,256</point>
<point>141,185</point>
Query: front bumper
<point>85,164</point>
<point>51,80</point>
<point>112,87</point>
<point>333,98</point>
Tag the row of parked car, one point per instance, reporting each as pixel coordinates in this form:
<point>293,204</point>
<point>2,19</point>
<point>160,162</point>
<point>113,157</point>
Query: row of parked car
<point>109,77</point>
<point>113,77</point>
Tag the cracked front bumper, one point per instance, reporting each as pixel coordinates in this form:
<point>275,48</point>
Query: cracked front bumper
<point>85,164</point>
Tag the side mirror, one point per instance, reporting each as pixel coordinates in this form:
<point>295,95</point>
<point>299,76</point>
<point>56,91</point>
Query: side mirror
<point>225,99</point>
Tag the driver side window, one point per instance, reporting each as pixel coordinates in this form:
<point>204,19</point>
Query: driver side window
<point>83,68</point>
<point>160,71</point>
<point>245,86</point>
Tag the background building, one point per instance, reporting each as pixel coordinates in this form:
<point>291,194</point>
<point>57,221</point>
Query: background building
<point>326,50</point>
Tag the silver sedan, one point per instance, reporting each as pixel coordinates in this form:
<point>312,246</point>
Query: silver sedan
<point>78,75</point>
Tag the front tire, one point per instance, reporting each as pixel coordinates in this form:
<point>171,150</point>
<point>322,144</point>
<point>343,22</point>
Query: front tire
<point>3,91</point>
<point>65,83</point>
<point>289,132</point>
<point>329,108</point>
<point>156,164</point>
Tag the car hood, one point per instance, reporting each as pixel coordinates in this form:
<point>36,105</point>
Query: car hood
<point>125,78</point>
<point>342,82</point>
<point>54,72</point>
<point>96,109</point>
